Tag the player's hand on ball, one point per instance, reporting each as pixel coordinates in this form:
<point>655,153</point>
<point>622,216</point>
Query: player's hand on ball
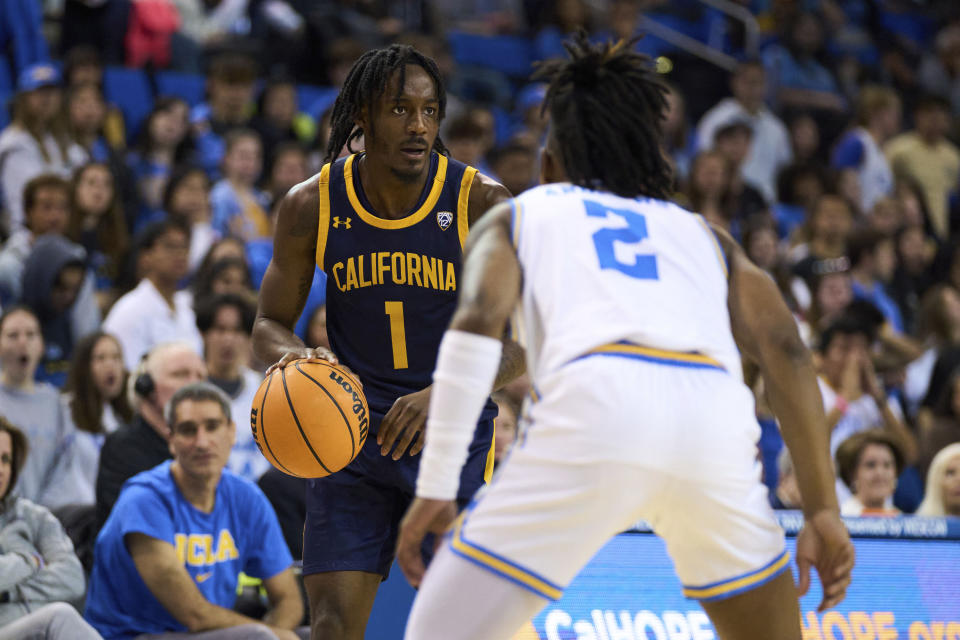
<point>824,543</point>
<point>318,353</point>
<point>404,423</point>
<point>424,516</point>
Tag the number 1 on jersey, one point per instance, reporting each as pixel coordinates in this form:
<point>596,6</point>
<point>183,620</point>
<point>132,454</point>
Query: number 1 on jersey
<point>398,335</point>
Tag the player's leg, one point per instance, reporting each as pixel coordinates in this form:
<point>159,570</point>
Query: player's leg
<point>769,611</point>
<point>347,547</point>
<point>340,603</point>
<point>463,601</point>
<point>727,548</point>
<point>522,541</point>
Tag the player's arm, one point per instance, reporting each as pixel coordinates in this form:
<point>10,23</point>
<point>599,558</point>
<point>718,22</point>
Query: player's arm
<point>466,368</point>
<point>288,278</point>
<point>286,605</point>
<point>765,331</point>
<point>485,194</point>
<point>168,581</point>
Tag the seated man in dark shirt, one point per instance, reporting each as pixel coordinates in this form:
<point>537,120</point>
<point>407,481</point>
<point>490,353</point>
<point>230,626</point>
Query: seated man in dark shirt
<point>142,444</point>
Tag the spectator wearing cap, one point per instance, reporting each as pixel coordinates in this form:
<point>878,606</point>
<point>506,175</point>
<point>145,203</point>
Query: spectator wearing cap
<point>770,149</point>
<point>34,143</point>
<point>156,310</point>
<point>878,117</point>
<point>928,157</point>
<point>230,88</point>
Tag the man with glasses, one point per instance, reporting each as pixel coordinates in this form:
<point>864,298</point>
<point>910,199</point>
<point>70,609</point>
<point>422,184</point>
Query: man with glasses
<point>156,310</point>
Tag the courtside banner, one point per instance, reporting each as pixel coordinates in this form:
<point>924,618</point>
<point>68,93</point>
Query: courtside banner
<point>906,585</point>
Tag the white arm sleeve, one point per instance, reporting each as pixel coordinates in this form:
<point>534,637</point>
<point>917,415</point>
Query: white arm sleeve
<point>466,369</point>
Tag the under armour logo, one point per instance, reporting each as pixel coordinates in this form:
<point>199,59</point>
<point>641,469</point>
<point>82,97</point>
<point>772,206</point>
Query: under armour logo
<point>337,222</point>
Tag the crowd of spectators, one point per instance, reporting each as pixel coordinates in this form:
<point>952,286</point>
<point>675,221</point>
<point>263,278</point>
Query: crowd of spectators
<point>131,250</point>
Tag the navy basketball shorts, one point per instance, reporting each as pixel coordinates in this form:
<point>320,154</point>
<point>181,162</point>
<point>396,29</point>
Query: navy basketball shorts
<point>353,516</point>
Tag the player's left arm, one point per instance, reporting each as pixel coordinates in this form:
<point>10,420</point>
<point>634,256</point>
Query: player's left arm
<point>467,366</point>
<point>286,606</point>
<point>402,427</point>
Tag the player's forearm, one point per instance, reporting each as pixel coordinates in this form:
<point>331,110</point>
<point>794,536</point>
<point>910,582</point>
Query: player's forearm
<point>796,401</point>
<point>271,340</point>
<point>208,617</point>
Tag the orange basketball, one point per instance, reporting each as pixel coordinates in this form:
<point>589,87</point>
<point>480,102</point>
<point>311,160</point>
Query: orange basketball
<point>309,419</point>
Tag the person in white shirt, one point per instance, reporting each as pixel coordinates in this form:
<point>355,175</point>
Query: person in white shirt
<point>226,321</point>
<point>878,115</point>
<point>770,148</point>
<point>156,311</point>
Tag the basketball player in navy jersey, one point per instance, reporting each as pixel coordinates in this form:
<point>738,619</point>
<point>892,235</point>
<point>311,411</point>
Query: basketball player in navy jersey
<point>387,226</point>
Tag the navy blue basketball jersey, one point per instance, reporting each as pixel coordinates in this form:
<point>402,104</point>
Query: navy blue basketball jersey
<point>392,284</point>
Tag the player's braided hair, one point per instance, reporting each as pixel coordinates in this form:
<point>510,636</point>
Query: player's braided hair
<point>366,81</point>
<point>606,106</point>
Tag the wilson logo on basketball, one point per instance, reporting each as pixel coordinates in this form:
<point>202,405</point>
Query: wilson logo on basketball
<point>253,428</point>
<point>358,409</point>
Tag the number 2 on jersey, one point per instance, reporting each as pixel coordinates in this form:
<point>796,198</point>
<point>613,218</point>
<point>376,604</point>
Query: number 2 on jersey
<point>644,267</point>
<point>398,335</point>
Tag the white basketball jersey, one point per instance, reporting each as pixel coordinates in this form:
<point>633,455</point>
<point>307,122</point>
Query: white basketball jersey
<point>599,269</point>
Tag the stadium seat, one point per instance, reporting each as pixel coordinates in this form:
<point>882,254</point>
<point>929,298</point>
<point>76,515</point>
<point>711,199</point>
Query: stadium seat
<point>189,86</point>
<point>507,54</point>
<point>130,90</point>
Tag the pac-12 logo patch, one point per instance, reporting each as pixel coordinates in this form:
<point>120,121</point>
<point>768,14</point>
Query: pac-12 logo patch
<point>444,219</point>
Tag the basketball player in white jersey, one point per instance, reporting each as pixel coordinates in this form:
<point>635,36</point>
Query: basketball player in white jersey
<point>632,311</point>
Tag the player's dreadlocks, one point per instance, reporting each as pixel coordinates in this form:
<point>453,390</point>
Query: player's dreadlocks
<point>367,80</point>
<point>606,107</point>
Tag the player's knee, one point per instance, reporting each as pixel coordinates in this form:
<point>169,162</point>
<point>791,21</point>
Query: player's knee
<point>328,621</point>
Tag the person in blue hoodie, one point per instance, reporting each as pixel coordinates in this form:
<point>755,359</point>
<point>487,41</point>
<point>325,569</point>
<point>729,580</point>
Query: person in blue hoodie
<point>53,277</point>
